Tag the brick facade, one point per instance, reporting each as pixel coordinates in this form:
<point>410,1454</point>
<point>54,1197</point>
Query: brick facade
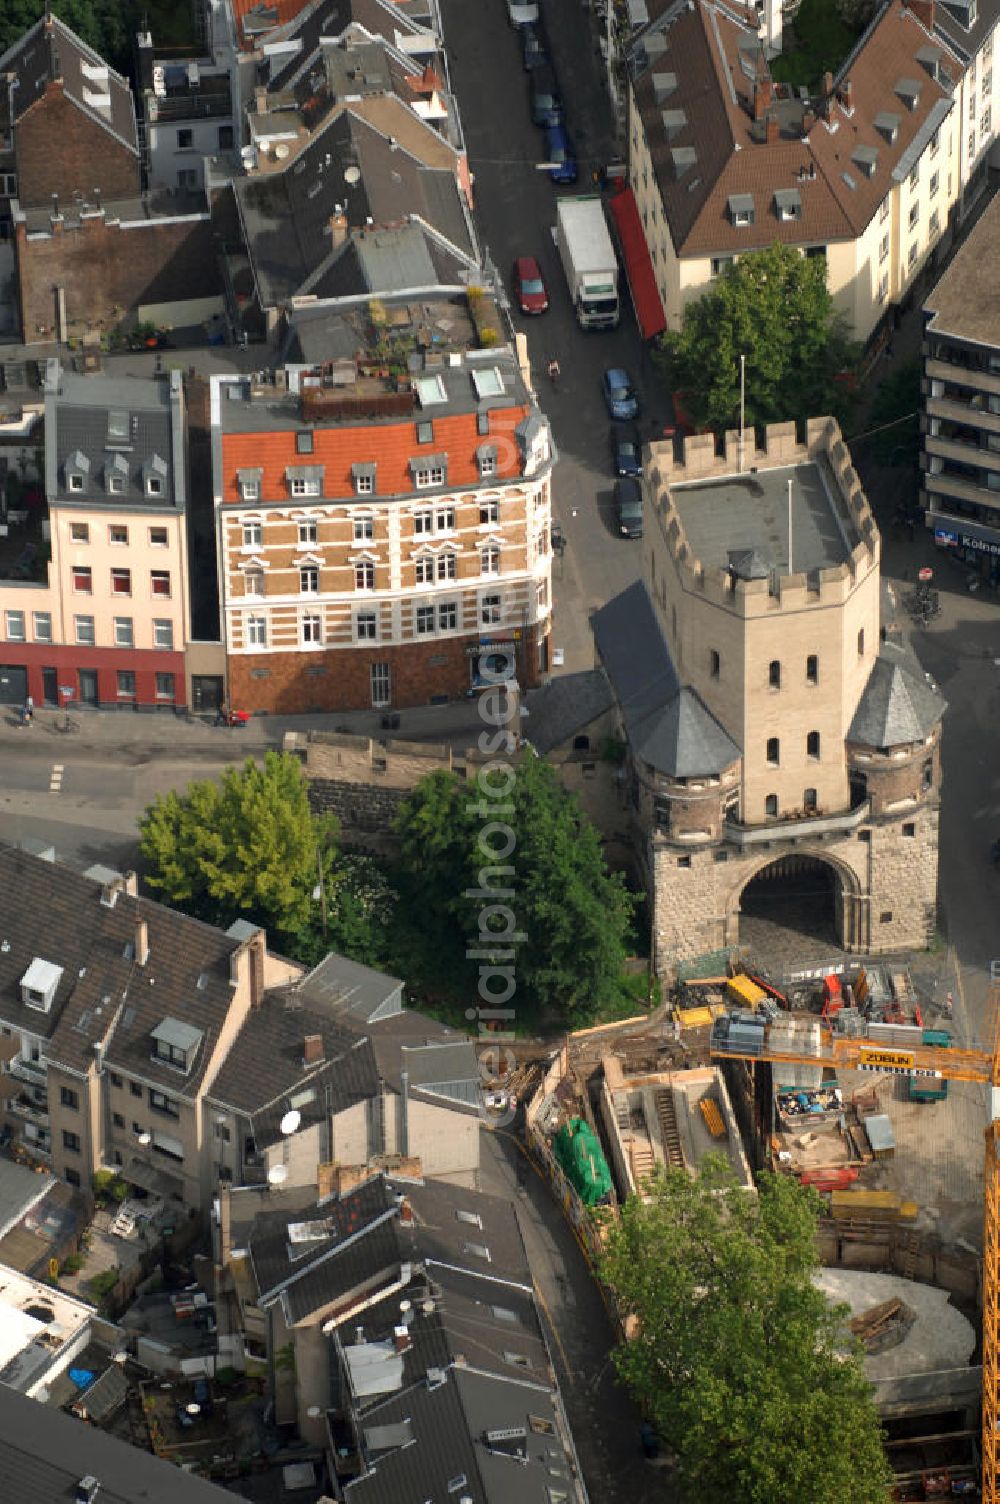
<point>102,266</point>
<point>292,683</point>
<point>60,150</point>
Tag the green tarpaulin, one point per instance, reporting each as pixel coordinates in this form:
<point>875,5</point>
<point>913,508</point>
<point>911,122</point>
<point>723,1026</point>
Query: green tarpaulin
<point>582,1160</point>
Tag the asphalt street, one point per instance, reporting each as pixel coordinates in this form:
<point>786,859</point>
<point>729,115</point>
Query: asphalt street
<point>515,211</point>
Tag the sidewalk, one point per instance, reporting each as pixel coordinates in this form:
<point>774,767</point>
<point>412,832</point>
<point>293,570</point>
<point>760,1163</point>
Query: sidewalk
<point>163,735</point>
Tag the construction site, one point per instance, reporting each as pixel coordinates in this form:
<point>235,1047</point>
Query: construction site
<point>854,1080</point>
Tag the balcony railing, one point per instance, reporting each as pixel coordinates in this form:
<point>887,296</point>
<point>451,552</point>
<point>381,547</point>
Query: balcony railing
<point>804,829</point>
<point>33,1112</point>
<point>188,107</point>
<point>35,1072</point>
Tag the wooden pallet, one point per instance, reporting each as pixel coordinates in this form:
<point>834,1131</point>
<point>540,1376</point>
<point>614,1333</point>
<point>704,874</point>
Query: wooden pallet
<point>713,1117</point>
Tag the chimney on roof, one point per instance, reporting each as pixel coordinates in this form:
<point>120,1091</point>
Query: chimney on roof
<point>141,942</point>
<point>257,946</point>
<point>808,121</point>
<point>312,1049</point>
<point>847,94</point>
<point>260,99</point>
<point>402,1339</point>
<point>924,12</point>
<point>339,230</point>
<point>763,97</point>
<point>405,1213</point>
<point>772,129</point>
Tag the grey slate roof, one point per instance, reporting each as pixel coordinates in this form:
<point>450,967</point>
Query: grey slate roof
<point>44,1453</point>
<point>450,1424</point>
<point>898,704</point>
<point>265,1067</point>
<point>286,215</point>
<point>668,725</point>
<point>358,993</point>
<point>33,62</point>
<point>440,1069</point>
<point>20,1190</point>
<point>55,914</point>
<point>566,706</point>
<point>77,417</point>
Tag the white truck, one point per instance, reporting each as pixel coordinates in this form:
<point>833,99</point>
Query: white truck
<point>589,260</point>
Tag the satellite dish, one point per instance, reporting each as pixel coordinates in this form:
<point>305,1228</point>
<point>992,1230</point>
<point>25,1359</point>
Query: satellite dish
<point>280,152</point>
<point>291,1121</point>
<point>145,1138</point>
<point>193,1409</point>
<point>314,1412</point>
<point>277,1175</point>
<point>352,175</point>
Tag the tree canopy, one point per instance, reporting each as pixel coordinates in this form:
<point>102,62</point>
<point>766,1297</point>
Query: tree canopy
<point>106,25</point>
<point>738,1360</point>
<point>247,846</point>
<point>463,890</point>
<point>774,308</point>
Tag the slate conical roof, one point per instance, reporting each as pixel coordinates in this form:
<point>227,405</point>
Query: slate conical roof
<point>899,704</point>
<point>684,740</point>
<point>748,564</point>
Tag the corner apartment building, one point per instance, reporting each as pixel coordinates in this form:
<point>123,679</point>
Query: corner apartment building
<point>724,160</point>
<point>771,732</point>
<point>96,609</point>
<point>960,422</point>
<point>384,514</point>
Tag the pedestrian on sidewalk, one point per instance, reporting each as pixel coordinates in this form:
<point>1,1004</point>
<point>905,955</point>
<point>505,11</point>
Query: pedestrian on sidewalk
<point>27,712</point>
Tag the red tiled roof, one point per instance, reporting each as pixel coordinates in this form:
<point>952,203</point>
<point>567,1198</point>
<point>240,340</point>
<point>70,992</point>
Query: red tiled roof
<point>390,446</point>
<point>287,11</point>
<point>711,56</point>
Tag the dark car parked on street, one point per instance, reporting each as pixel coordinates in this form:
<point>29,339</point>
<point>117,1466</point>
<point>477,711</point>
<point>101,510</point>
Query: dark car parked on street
<point>628,506</point>
<point>534,48</point>
<point>546,101</point>
<point>626,449</point>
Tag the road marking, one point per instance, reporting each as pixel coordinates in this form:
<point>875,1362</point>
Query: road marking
<point>555,1335</point>
<point>55,779</point>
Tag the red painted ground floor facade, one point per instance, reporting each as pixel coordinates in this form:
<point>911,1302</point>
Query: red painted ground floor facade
<point>384,677</point>
<point>105,678</point>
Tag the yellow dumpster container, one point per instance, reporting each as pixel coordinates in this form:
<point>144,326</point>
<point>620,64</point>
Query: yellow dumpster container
<point>742,990</point>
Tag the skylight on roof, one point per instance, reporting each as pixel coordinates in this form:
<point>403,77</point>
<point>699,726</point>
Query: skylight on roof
<point>311,1232</point>
<point>117,426</point>
<point>430,390</point>
<point>302,1098</point>
<point>488,383</point>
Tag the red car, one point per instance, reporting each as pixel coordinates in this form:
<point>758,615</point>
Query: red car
<point>529,286</point>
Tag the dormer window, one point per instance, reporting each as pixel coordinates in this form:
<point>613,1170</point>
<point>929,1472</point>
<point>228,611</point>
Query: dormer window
<point>908,90</point>
<point>865,158</point>
<point>77,469</point>
<point>429,470</point>
<point>154,476</point>
<point>176,1044</point>
<point>305,480</point>
<point>887,125</point>
<point>116,475</point>
<point>788,204</point>
<point>249,484</point>
<point>363,475</point>
<point>39,983</point>
<point>486,458</point>
<point>741,210</point>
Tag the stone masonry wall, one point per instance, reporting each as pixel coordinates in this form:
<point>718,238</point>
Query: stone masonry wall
<point>889,880</point>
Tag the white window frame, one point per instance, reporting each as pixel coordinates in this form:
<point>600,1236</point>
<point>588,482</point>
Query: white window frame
<point>380,674</point>
<point>444,519</point>
<point>491,610</point>
<point>128,634</point>
<point>447,565</point>
<point>451,607</point>
<point>82,640</point>
<point>163,627</point>
<point>45,634</point>
<point>308,530</point>
<point>364,529</point>
<point>489,559</point>
<point>423,569</point>
<point>311,621</point>
<point>255,631</point>
<point>250,490</point>
<point>424,621</point>
<point>423,523</point>
<point>15,635</point>
<point>114,542</point>
<point>253,534</point>
<point>429,476</point>
<point>367,568</point>
<point>368,618</point>
<point>304,485</point>
<point>309,579</point>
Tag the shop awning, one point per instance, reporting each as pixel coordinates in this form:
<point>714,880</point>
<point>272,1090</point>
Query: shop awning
<point>646,298</point>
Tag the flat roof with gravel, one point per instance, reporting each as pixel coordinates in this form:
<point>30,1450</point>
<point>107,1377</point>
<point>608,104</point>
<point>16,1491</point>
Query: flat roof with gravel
<point>966,301</point>
<point>748,515</point>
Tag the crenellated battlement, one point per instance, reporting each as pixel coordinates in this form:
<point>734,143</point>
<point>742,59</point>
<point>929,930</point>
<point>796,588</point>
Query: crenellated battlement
<point>824,447</point>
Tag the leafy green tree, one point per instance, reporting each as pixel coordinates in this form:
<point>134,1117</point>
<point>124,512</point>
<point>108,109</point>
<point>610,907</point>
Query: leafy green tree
<point>361,905</point>
<point>895,415</point>
<point>774,308</point>
<point>245,847</point>
<point>738,1359</point>
<point>465,892</point>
